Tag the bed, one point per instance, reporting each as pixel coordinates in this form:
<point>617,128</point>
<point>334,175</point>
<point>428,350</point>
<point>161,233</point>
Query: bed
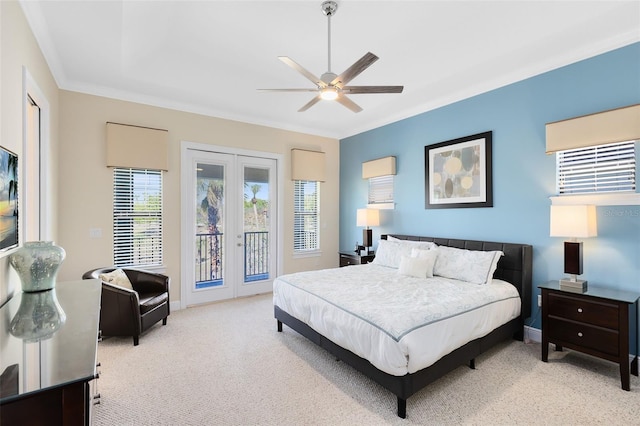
<point>355,312</point>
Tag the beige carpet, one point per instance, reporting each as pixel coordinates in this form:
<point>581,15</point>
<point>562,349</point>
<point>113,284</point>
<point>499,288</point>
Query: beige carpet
<point>225,364</point>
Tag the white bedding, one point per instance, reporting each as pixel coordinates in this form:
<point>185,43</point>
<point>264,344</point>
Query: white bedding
<point>400,324</point>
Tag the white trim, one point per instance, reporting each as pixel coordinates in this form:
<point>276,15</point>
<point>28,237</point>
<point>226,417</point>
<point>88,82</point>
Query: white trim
<point>31,88</point>
<point>382,206</point>
<point>306,253</point>
<point>175,305</point>
<point>609,199</point>
<point>532,334</point>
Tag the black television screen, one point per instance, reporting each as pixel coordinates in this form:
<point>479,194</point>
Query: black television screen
<point>8,199</point>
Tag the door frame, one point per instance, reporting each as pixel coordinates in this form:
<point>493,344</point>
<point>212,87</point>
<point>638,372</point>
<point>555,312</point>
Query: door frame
<point>184,199</point>
<point>44,231</point>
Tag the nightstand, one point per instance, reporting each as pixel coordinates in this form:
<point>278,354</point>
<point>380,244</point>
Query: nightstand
<point>353,258</point>
<point>595,322</point>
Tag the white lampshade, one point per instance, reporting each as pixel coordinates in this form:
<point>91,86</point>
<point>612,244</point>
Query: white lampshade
<point>368,217</point>
<point>573,221</point>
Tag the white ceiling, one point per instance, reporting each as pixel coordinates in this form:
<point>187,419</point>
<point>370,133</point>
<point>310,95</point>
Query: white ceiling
<point>209,57</point>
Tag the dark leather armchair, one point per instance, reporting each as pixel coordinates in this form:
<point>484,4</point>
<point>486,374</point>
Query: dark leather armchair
<point>127,312</point>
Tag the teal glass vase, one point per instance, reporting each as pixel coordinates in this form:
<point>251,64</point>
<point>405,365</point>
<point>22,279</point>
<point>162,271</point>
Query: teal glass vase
<point>37,264</point>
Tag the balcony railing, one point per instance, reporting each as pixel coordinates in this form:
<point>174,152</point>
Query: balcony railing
<point>209,258</point>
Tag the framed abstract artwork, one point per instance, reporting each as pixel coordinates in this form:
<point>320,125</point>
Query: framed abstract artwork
<point>458,173</point>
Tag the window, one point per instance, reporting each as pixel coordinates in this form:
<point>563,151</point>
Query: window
<point>596,169</point>
<point>381,189</point>
<point>137,217</point>
<point>306,200</point>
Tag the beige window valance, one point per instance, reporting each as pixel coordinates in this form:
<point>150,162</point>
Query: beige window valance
<point>380,167</point>
<point>616,125</point>
<point>137,147</point>
<point>308,165</point>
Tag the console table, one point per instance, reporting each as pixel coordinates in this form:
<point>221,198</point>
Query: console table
<point>48,380</point>
<point>595,322</point>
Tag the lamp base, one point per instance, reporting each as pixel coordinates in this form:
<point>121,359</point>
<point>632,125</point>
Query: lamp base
<point>577,286</point>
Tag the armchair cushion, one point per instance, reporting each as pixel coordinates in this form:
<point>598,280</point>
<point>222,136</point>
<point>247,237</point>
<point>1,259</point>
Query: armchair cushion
<point>151,301</point>
<point>117,277</point>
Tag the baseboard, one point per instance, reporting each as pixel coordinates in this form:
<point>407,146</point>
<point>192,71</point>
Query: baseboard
<point>532,334</point>
<point>175,305</point>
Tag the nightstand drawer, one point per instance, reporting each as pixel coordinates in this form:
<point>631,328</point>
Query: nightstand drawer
<point>585,310</point>
<point>346,260</point>
<point>583,335</point>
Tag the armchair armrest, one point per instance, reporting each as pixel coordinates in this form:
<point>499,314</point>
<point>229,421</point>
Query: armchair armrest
<point>120,310</point>
<point>148,282</point>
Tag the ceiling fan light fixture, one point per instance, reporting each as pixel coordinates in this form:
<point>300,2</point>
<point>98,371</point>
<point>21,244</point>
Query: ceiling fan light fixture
<point>329,93</point>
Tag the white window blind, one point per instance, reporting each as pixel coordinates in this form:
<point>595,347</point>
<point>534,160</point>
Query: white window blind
<point>381,189</point>
<point>595,169</point>
<point>306,201</point>
<point>137,217</point>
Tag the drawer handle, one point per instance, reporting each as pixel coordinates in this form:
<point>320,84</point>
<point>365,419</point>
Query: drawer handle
<point>580,310</point>
<point>579,334</point>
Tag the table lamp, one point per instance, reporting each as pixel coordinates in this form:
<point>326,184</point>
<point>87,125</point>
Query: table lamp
<point>367,218</point>
<point>573,222</point>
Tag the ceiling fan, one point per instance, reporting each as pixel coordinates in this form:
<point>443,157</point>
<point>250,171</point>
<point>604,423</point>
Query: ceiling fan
<point>331,86</point>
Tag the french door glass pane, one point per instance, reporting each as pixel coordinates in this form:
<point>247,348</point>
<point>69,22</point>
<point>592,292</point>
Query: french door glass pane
<point>209,261</point>
<point>256,213</point>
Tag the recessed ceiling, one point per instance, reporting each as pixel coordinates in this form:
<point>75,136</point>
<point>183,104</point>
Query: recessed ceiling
<point>210,57</point>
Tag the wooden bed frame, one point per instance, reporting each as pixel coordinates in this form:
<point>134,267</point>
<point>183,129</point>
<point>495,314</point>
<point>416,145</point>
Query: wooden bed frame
<point>515,267</point>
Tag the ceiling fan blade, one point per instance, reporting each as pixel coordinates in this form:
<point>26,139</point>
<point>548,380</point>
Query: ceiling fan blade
<point>293,64</point>
<point>354,70</point>
<point>309,104</point>
<point>342,99</point>
<point>372,89</point>
<point>287,90</point>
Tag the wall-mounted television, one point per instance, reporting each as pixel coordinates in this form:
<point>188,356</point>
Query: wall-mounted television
<point>8,199</point>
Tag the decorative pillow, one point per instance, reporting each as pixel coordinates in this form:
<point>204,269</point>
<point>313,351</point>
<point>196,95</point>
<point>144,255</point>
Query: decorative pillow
<point>429,256</point>
<point>415,267</point>
<point>466,265</point>
<point>389,253</point>
<point>117,277</point>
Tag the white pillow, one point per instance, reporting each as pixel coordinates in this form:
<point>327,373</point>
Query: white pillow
<point>426,245</point>
<point>414,267</point>
<point>117,277</point>
<point>466,265</point>
<point>429,256</point>
<point>389,253</point>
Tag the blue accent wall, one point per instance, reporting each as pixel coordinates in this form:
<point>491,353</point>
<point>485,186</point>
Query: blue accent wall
<point>523,175</point>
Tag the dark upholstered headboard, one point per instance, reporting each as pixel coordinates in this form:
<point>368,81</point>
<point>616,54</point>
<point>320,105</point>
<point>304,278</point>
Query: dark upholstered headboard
<point>514,267</point>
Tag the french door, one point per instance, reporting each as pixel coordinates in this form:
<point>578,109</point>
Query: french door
<point>230,215</point>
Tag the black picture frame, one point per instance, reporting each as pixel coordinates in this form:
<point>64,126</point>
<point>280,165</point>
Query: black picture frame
<point>458,173</point>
